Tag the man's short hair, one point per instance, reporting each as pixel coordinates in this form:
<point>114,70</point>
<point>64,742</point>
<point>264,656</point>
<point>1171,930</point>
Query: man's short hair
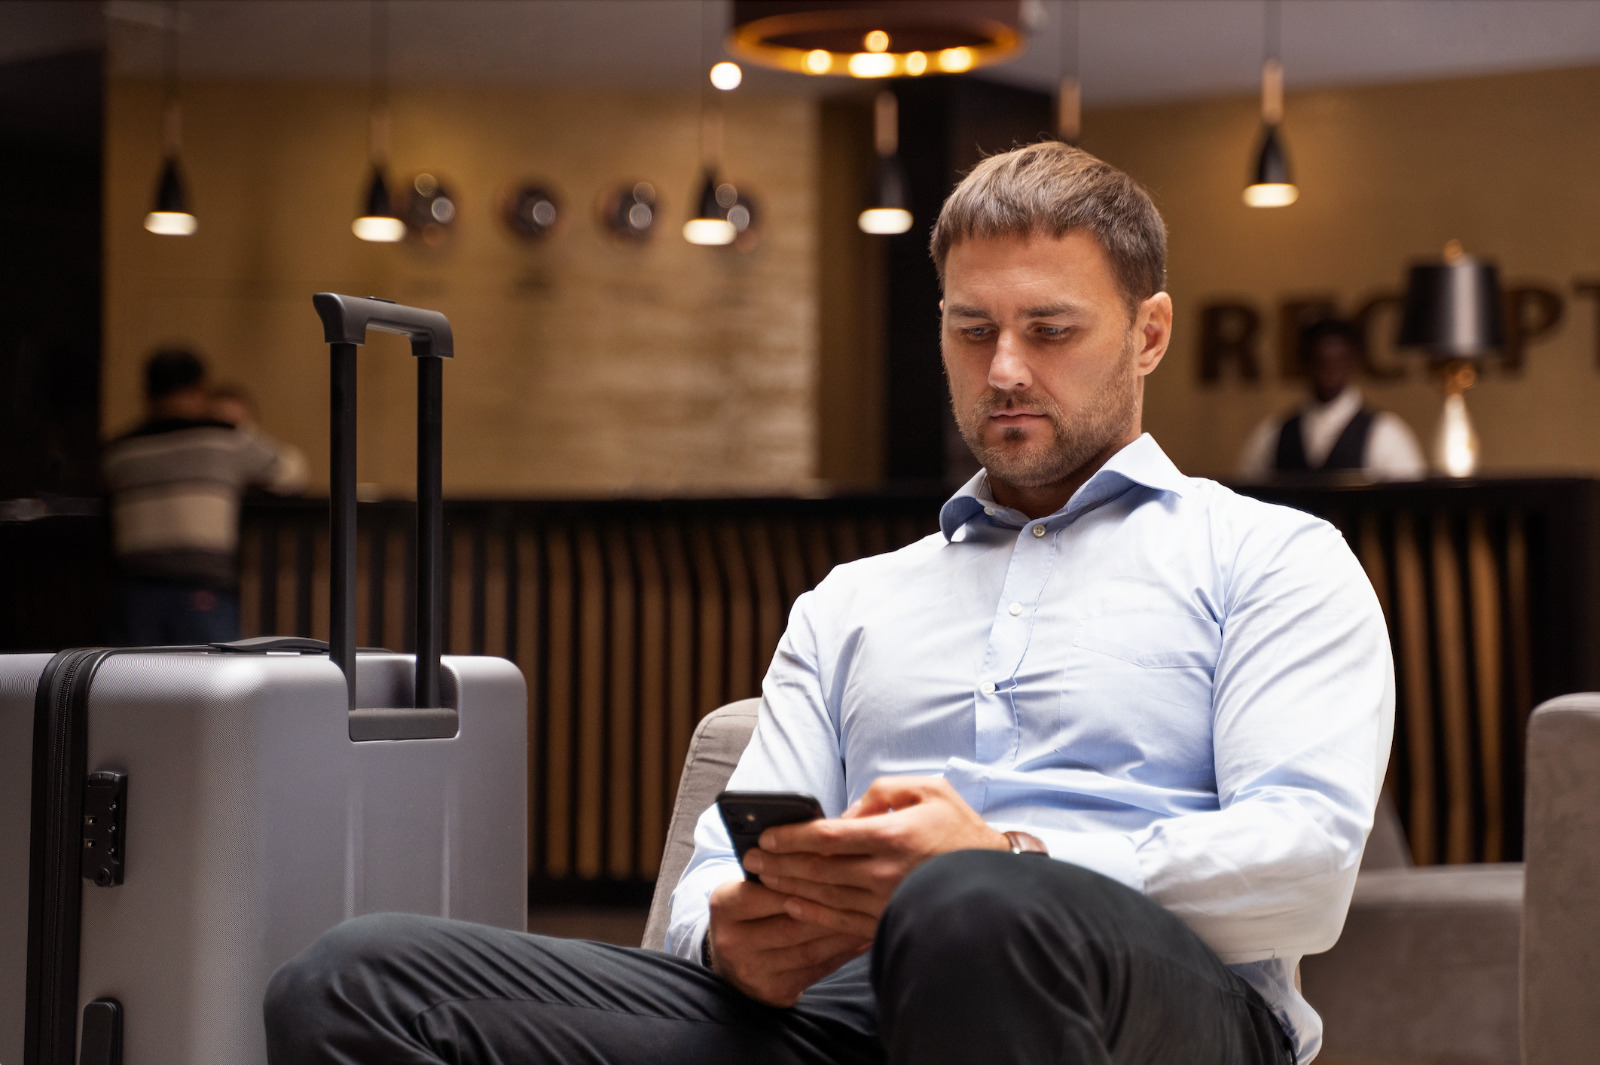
<point>172,370</point>
<point>1053,188</point>
<point>1334,329</point>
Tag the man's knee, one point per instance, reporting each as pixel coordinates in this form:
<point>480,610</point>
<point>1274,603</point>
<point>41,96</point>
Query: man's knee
<point>312,989</point>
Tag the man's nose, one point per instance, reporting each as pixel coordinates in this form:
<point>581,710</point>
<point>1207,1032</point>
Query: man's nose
<point>1008,369</point>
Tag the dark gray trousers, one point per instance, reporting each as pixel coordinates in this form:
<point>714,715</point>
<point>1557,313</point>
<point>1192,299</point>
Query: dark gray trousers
<point>981,957</point>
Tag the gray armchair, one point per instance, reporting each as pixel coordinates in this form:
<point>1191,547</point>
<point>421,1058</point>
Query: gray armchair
<point>1427,969</point>
<point>714,750</point>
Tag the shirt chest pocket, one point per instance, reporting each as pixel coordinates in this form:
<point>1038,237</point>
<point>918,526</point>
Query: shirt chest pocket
<point>1137,691</point>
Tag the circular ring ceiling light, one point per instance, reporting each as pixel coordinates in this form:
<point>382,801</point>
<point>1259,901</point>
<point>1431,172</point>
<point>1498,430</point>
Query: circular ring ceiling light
<point>876,38</point>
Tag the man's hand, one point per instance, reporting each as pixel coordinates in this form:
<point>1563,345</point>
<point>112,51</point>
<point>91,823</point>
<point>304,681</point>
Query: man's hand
<point>768,954</point>
<point>838,874</point>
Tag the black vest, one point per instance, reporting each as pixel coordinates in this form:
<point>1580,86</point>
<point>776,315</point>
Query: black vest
<point>1347,454</point>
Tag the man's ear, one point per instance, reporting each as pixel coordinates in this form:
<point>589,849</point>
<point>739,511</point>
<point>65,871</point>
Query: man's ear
<point>1153,327</point>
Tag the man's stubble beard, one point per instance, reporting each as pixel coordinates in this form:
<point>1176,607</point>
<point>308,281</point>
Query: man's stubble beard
<point>1105,417</point>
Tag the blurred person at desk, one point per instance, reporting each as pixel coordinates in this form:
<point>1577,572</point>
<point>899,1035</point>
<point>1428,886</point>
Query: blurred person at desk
<point>1335,432</point>
<point>175,483</point>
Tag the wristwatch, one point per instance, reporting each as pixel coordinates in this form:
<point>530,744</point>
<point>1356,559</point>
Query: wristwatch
<point>1024,843</point>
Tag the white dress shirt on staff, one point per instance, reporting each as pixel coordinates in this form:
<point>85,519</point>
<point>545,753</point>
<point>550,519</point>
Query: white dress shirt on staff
<point>1392,452</point>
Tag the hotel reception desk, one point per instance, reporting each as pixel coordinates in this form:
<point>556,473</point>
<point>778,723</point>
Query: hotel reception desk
<point>632,619</point>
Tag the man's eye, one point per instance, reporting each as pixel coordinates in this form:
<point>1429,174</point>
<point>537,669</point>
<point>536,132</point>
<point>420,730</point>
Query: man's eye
<point>977,332</point>
<point>1052,332</point>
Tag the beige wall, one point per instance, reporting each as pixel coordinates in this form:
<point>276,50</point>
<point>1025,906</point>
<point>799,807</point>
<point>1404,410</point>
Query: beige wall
<point>583,367</point>
<point>1505,164</point>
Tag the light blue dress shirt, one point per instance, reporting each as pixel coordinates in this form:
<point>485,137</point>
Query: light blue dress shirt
<point>1187,690</point>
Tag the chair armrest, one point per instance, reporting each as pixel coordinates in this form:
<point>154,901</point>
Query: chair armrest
<point>1561,923</point>
<point>718,741</point>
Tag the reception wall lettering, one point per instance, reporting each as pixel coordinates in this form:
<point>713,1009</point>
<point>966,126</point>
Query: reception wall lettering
<point>1233,337</point>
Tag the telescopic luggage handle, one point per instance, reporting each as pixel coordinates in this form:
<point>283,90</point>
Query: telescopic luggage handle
<point>345,322</point>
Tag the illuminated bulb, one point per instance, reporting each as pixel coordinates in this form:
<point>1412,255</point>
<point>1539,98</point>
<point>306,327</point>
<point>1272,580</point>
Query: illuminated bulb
<point>1456,446</point>
<point>171,223</point>
<point>818,60</point>
<point>709,231</point>
<point>726,76</point>
<point>876,41</point>
<point>871,65</point>
<point>1271,194</point>
<point>378,228</point>
<point>955,60</point>
<point>916,63</point>
<point>884,220</point>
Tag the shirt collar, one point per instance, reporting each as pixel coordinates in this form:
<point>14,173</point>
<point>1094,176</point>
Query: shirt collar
<point>1344,405</point>
<point>1139,463</point>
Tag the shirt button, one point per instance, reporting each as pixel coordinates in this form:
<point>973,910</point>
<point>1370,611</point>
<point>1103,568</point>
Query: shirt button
<point>989,511</point>
<point>1038,530</point>
<point>1015,608</point>
<point>988,687</point>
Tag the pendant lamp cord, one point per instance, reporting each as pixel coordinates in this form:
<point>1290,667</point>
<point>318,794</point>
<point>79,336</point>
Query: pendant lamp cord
<point>171,118</point>
<point>1069,101</point>
<point>710,106</point>
<point>1272,64</point>
<point>378,83</point>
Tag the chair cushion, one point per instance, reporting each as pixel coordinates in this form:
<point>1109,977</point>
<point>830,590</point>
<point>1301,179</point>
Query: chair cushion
<point>718,741</point>
<point>1425,970</point>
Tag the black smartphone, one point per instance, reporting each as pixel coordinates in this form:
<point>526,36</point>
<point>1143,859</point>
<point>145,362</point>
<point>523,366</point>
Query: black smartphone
<point>750,813</point>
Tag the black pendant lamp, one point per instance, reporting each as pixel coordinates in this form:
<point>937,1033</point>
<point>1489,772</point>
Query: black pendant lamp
<point>170,216</point>
<point>1271,185</point>
<point>708,225</point>
<point>378,222</point>
<point>888,213</point>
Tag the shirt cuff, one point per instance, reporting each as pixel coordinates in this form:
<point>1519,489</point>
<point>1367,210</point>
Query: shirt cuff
<point>1111,854</point>
<point>691,906</point>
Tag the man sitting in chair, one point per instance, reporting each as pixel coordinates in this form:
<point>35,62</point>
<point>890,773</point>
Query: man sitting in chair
<point>1098,758</point>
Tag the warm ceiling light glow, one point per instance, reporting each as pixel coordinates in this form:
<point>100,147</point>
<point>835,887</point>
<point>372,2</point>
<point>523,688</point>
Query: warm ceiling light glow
<point>378,228</point>
<point>876,41</point>
<point>818,60</point>
<point>871,65</point>
<point>883,220</point>
<point>709,231</point>
<point>726,76</point>
<point>916,63</point>
<point>171,223</point>
<point>955,60</point>
<point>1272,194</point>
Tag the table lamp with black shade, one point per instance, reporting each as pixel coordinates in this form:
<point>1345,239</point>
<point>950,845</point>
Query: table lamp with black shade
<point>1453,314</point>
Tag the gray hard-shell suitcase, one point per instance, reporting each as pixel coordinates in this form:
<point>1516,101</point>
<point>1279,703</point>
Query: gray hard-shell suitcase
<point>177,822</point>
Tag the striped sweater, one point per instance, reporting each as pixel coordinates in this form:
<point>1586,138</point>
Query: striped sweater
<point>175,486</point>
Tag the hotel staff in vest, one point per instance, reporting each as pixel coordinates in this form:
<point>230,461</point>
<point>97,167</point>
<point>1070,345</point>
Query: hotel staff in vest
<point>1335,431</point>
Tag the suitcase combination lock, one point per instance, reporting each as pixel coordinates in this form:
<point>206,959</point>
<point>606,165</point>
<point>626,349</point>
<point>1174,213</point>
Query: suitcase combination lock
<point>105,844</point>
